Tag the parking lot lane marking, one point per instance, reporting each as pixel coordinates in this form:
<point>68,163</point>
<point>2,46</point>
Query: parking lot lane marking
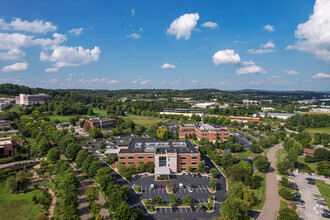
<point>165,210</point>
<point>171,210</point>
<point>199,201</point>
<point>185,209</point>
<point>181,210</point>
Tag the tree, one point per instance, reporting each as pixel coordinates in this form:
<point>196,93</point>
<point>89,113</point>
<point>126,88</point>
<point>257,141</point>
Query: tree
<point>81,157</point>
<point>88,162</point>
<point>321,154</point>
<point>214,173</point>
<point>234,209</point>
<point>11,184</point>
<point>53,155</point>
<point>285,193</point>
<point>213,183</point>
<point>72,121</point>
<point>103,177</point>
<point>94,167</point>
<point>287,214</point>
<point>202,167</point>
<point>92,194</point>
<point>102,145</point>
<point>240,191</point>
<point>72,150</point>
<point>95,133</point>
<point>187,199</point>
<point>157,200</point>
<point>300,128</point>
<point>227,160</point>
<point>123,212</point>
<point>236,173</point>
<point>262,164</point>
<point>173,199</point>
<point>323,168</point>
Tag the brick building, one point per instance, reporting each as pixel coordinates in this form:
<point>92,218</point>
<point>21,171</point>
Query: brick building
<point>5,124</point>
<point>201,131</point>
<point>8,145</point>
<point>102,123</point>
<point>24,99</point>
<point>168,156</point>
<point>243,119</point>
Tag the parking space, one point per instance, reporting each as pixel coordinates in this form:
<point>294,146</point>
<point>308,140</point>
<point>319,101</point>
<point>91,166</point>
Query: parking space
<point>178,210</point>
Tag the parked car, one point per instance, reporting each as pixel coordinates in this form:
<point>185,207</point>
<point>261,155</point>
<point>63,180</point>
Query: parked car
<point>181,185</point>
<point>318,198</point>
<point>295,188</point>
<point>299,204</point>
<point>193,175</point>
<point>152,186</point>
<point>198,208</point>
<point>189,185</point>
<point>299,200</point>
<point>321,203</point>
<point>326,215</point>
<point>311,183</point>
<point>160,186</point>
<point>174,208</point>
<point>310,179</point>
<point>325,211</point>
<point>296,195</point>
<point>204,208</point>
<point>190,190</point>
<point>174,190</point>
<point>192,208</point>
<point>291,174</point>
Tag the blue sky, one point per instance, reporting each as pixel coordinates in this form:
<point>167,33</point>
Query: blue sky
<point>246,44</point>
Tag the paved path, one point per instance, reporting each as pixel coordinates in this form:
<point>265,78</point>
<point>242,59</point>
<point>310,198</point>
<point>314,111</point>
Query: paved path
<point>17,162</point>
<point>51,208</point>
<point>272,202</point>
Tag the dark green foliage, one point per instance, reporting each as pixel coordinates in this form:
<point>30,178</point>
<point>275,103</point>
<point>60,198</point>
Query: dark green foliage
<point>285,193</point>
<point>288,214</point>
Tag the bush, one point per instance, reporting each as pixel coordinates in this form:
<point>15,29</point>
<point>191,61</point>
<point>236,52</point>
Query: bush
<point>137,188</point>
<point>309,159</point>
<point>262,164</point>
<point>288,214</point>
<point>285,193</point>
<point>285,182</point>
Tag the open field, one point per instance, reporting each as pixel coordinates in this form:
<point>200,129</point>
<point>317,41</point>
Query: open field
<point>66,118</point>
<point>324,190</point>
<point>318,130</point>
<point>18,206</point>
<point>145,121</point>
<point>61,118</point>
<point>243,155</point>
<point>260,193</point>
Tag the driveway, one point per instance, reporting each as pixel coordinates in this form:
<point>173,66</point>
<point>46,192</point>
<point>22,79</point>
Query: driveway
<point>271,206</point>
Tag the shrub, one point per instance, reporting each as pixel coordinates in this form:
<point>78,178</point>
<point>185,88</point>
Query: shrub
<point>288,214</point>
<point>285,193</point>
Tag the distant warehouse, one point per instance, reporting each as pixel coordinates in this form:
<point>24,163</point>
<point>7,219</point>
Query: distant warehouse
<point>275,115</point>
<point>182,111</point>
<point>24,99</point>
<point>102,123</point>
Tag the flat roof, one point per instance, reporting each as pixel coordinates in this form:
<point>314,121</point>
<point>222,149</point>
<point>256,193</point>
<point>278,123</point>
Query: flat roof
<point>150,145</point>
<point>162,171</point>
<point>99,119</point>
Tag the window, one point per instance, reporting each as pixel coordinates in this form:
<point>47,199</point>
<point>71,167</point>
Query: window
<point>122,158</point>
<point>141,157</point>
<point>130,158</point>
<point>130,162</point>
<point>183,163</point>
<point>194,158</point>
<point>183,168</point>
<point>193,163</point>
<point>183,158</point>
<point>162,161</point>
<point>150,157</point>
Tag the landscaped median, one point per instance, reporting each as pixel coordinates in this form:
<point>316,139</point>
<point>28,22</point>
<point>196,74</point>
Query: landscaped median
<point>137,189</point>
<point>157,202</point>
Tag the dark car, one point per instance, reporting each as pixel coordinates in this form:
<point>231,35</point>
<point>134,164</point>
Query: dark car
<point>291,174</point>
<point>326,215</point>
<point>296,195</point>
<point>321,203</point>
<point>311,183</point>
<point>192,208</point>
<point>174,208</point>
<point>299,200</point>
<point>294,188</point>
<point>198,208</point>
<point>204,208</point>
<point>310,179</point>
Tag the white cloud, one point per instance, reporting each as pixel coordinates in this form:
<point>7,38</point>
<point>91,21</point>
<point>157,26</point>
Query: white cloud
<point>250,68</point>
<point>71,56</point>
<point>260,51</point>
<point>269,28</point>
<point>15,67</point>
<point>210,24</point>
<point>134,82</point>
<point>269,44</point>
<point>36,26</point>
<point>254,83</point>
<point>133,11</point>
<point>182,26</point>
<point>226,56</point>
<point>76,31</point>
<point>12,54</point>
<point>134,36</point>
<point>291,72</point>
<point>53,81</point>
<point>110,82</point>
<point>145,82</point>
<point>276,77</point>
<point>321,76</point>
<point>167,66</point>
<point>265,49</point>
<point>50,70</point>
<point>195,81</point>
<point>314,35</point>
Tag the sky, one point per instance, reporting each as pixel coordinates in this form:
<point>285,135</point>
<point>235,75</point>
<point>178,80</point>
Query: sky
<point>222,44</point>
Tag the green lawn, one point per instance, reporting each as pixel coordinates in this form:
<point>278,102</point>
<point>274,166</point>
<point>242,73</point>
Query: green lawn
<point>65,118</point>
<point>61,118</point>
<point>324,190</point>
<point>311,165</point>
<point>243,155</point>
<point>283,204</point>
<point>318,130</point>
<point>145,121</point>
<point>280,155</point>
<point>100,112</point>
<point>18,206</point>
<point>13,109</point>
<point>260,193</point>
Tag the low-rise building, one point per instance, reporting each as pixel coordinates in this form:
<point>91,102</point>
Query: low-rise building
<point>201,131</point>
<point>8,145</point>
<point>275,115</point>
<point>243,119</point>
<point>182,111</point>
<point>308,151</point>
<point>104,124</point>
<point>5,124</point>
<point>205,105</point>
<point>6,102</point>
<point>266,109</point>
<point>24,99</point>
<point>167,156</point>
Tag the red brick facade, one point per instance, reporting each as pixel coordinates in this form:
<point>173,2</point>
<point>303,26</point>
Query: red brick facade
<point>211,135</point>
<point>244,119</point>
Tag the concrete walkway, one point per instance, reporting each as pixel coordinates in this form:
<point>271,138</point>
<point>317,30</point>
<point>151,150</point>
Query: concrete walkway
<point>272,202</point>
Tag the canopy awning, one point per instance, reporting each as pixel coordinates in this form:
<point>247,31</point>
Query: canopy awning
<point>162,171</point>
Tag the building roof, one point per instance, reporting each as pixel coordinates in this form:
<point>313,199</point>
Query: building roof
<point>150,145</point>
<point>276,114</point>
<point>162,171</point>
<point>112,151</point>
<point>308,151</point>
<point>204,127</point>
<point>99,119</point>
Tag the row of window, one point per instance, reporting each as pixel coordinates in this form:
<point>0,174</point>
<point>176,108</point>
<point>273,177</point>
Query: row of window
<point>140,157</point>
<point>193,158</point>
<point>192,163</point>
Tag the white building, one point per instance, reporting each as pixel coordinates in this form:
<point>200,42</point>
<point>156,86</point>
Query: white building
<point>275,115</point>
<point>266,109</point>
<point>205,105</point>
<point>247,101</point>
<point>24,99</point>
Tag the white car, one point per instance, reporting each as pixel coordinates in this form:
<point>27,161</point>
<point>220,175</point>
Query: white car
<point>181,185</point>
<point>318,198</point>
<point>152,186</point>
<point>190,190</point>
<point>299,204</point>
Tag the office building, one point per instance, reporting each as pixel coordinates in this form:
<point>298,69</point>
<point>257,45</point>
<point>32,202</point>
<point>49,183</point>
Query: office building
<point>24,99</point>
<point>201,131</point>
<point>102,123</point>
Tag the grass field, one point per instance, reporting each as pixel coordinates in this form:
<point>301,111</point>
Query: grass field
<point>13,108</point>
<point>243,155</point>
<point>145,121</point>
<point>324,190</point>
<point>280,155</point>
<point>61,118</point>
<point>311,165</point>
<point>65,118</point>
<point>318,130</point>
<point>283,204</point>
<point>18,206</point>
<point>260,193</point>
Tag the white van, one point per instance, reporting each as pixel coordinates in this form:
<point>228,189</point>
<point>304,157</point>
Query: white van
<point>152,186</point>
<point>181,185</point>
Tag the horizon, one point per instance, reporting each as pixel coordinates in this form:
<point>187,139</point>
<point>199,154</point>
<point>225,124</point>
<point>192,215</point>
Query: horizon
<point>230,46</point>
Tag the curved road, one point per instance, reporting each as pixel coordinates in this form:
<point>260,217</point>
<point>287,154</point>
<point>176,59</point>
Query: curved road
<point>271,206</point>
